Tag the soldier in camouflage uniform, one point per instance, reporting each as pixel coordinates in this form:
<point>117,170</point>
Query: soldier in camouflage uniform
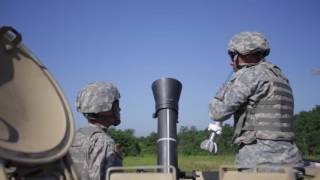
<point>260,99</point>
<point>93,150</point>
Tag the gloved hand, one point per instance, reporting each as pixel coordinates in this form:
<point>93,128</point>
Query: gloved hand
<point>215,127</point>
<point>209,144</point>
<point>117,149</point>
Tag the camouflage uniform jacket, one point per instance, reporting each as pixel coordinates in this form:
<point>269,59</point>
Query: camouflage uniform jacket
<point>260,98</point>
<point>261,101</point>
<point>93,152</point>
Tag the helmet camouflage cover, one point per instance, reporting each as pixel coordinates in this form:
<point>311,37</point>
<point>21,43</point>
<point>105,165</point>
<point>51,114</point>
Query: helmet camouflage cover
<point>248,43</point>
<point>97,97</point>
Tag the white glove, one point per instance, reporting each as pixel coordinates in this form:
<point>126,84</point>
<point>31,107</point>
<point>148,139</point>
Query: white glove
<point>209,144</point>
<point>215,127</point>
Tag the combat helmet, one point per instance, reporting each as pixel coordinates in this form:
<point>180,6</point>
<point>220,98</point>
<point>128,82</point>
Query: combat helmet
<point>97,97</point>
<point>248,43</point>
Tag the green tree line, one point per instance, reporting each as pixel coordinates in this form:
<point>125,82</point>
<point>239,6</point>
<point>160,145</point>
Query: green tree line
<point>307,132</point>
<point>306,128</point>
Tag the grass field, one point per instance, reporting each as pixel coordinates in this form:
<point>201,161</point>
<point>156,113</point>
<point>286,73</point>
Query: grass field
<point>187,163</point>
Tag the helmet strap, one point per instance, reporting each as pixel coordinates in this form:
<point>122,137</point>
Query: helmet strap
<point>236,62</point>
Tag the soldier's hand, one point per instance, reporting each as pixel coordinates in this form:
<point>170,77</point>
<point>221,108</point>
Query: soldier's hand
<point>210,144</point>
<point>215,127</point>
<point>117,149</point>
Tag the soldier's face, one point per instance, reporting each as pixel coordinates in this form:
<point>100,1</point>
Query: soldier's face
<point>116,113</point>
<point>234,66</point>
<point>107,115</point>
<point>111,117</point>
<point>105,118</point>
<point>235,61</point>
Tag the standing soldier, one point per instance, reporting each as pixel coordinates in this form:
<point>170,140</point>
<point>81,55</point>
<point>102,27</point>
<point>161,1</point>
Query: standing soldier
<point>260,99</point>
<point>93,150</point>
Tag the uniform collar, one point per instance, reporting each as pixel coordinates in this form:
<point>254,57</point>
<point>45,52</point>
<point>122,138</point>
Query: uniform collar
<point>105,129</point>
<point>246,65</point>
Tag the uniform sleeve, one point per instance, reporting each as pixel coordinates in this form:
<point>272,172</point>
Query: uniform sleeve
<point>95,155</point>
<point>113,158</point>
<point>233,95</point>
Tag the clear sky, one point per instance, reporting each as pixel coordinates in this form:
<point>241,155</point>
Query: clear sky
<point>132,43</point>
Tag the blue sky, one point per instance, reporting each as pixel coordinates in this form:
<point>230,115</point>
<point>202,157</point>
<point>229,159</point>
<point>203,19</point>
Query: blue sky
<point>132,43</point>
